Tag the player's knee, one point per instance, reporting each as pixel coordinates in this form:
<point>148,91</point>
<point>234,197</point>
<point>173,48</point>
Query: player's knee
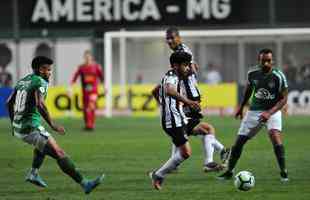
<point>207,128</point>
<point>60,153</point>
<point>275,137</point>
<point>186,153</point>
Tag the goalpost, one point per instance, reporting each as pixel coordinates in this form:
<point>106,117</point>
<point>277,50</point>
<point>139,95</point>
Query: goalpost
<point>240,35</point>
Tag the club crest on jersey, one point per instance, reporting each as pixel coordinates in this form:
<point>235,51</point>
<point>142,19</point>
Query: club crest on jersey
<point>263,93</point>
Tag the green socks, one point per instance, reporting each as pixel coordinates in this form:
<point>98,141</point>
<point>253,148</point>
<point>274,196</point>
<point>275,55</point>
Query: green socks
<point>68,167</point>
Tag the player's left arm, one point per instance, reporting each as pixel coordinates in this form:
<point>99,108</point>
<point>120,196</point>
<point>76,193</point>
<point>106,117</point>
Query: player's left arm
<point>282,100</point>
<point>281,103</point>
<point>10,104</point>
<point>40,104</point>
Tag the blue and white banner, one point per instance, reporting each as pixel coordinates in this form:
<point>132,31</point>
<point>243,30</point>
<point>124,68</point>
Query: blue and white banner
<point>4,94</point>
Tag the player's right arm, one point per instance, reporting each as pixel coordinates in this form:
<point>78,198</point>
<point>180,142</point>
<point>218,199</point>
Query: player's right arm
<point>171,90</point>
<point>40,104</point>
<point>10,104</point>
<point>246,96</point>
<point>76,74</point>
<point>155,93</point>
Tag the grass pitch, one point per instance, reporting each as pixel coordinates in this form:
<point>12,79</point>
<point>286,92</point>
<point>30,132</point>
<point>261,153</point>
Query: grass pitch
<point>126,148</point>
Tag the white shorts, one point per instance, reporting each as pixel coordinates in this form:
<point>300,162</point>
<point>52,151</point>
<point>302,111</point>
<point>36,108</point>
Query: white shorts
<point>38,138</point>
<point>250,125</point>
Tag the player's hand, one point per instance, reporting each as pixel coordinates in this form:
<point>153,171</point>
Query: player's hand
<point>59,129</point>
<point>264,116</point>
<point>239,113</point>
<point>194,105</point>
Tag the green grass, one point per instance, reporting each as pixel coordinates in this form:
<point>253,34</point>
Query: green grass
<point>126,148</point>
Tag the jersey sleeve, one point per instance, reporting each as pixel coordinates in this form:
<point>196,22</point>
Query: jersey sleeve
<point>41,86</point>
<point>173,80</point>
<point>283,81</point>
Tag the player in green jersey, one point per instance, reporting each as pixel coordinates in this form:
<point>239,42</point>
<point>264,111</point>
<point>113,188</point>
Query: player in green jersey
<point>268,87</point>
<point>25,106</point>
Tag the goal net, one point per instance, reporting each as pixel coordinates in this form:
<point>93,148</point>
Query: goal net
<point>134,61</point>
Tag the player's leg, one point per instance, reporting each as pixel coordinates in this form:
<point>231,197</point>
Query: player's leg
<point>33,174</point>
<point>38,138</point>
<point>278,148</point>
<point>210,144</point>
<point>174,150</point>
<point>170,165</point>
<point>68,167</point>
<point>92,110</point>
<point>274,126</point>
<point>184,152</point>
<point>87,111</point>
<point>192,123</point>
<point>249,127</point>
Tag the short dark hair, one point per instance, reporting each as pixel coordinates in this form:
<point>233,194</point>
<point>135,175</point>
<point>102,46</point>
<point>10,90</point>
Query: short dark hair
<point>174,30</point>
<point>38,61</point>
<point>265,51</point>
<point>179,57</point>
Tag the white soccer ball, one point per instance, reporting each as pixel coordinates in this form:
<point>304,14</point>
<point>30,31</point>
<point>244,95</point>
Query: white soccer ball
<point>244,181</point>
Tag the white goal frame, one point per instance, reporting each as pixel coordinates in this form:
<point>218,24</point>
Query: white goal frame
<point>123,34</point>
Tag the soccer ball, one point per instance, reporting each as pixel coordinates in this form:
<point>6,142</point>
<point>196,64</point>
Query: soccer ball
<point>244,181</point>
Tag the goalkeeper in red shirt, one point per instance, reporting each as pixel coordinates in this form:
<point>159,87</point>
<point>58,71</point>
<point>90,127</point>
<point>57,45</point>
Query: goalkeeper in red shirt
<point>91,74</point>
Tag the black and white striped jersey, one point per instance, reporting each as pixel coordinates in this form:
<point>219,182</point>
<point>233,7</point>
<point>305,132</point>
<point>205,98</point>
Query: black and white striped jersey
<point>184,48</point>
<point>191,82</point>
<point>172,114</point>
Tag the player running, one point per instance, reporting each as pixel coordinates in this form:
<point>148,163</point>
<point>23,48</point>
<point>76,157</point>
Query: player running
<point>91,74</point>
<point>172,116</point>
<point>269,88</point>
<point>195,127</point>
<point>25,105</point>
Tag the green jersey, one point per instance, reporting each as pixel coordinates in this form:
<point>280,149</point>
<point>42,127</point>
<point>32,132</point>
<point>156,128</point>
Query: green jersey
<point>26,115</point>
<point>267,87</point>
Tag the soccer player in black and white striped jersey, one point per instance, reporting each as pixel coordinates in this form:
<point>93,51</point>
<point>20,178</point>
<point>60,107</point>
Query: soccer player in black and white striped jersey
<point>172,115</point>
<point>195,127</point>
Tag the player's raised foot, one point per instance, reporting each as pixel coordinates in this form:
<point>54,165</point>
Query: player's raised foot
<point>35,179</point>
<point>284,176</point>
<point>225,176</point>
<point>212,167</point>
<point>225,154</point>
<point>156,180</point>
<point>89,186</point>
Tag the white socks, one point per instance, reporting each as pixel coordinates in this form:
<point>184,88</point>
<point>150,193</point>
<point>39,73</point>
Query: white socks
<point>217,145</point>
<point>210,144</point>
<point>171,164</point>
<point>207,143</point>
<point>174,150</point>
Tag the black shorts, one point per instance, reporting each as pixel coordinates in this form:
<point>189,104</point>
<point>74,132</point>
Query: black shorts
<point>192,123</point>
<point>178,135</point>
